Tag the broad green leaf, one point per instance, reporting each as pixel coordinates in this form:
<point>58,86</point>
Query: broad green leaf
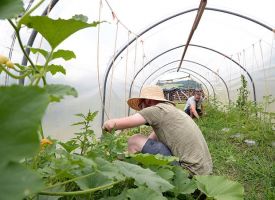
<point>65,54</point>
<point>17,182</point>
<point>150,159</point>
<point>86,161</point>
<point>95,180</point>
<point>220,188</point>
<point>43,52</point>
<point>11,8</point>
<point>80,17</point>
<point>55,31</point>
<point>45,197</point>
<point>56,68</point>
<point>108,169</point>
<point>121,196</point>
<point>183,185</point>
<point>144,193</point>
<point>60,188</point>
<point>167,174</point>
<point>144,176</point>
<point>58,91</point>
<point>21,111</point>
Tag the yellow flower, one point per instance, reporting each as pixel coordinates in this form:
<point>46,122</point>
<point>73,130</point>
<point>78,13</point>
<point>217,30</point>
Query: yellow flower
<point>9,64</point>
<point>45,141</point>
<point>3,59</point>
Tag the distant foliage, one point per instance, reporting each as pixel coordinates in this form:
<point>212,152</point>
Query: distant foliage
<point>243,93</point>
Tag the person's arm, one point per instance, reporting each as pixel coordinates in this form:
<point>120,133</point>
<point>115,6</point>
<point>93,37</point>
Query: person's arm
<point>125,122</point>
<point>193,111</point>
<point>153,136</point>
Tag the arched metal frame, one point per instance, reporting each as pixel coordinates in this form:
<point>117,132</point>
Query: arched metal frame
<point>130,93</point>
<point>167,51</point>
<point>183,70</point>
<point>189,75</point>
<point>175,61</point>
<point>54,2</point>
<point>248,74</point>
<point>208,93</point>
<point>162,74</point>
<point>112,60</point>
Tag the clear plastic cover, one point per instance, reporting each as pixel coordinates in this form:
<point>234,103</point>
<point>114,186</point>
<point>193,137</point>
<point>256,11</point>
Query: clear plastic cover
<point>224,43</point>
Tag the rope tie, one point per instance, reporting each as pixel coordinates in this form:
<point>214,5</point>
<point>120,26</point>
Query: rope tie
<point>126,74</point>
<point>97,58</point>
<point>262,56</point>
<point>112,74</point>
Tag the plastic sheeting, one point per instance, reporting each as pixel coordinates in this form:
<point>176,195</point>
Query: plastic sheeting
<point>247,43</point>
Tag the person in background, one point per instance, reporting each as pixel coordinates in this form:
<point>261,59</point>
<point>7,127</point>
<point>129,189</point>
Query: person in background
<point>175,133</point>
<point>194,107</point>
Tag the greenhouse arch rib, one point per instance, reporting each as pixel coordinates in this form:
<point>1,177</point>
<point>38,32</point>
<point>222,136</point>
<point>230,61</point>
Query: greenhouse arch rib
<point>183,70</point>
<point>161,54</point>
<point>175,61</point>
<point>112,60</point>
<point>186,73</point>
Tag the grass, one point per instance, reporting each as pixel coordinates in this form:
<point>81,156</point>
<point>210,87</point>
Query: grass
<point>253,166</point>
<point>180,106</point>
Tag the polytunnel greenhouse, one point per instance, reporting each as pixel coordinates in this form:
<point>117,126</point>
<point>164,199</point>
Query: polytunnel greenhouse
<point>132,99</point>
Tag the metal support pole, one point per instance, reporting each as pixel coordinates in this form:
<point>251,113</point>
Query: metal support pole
<point>194,27</point>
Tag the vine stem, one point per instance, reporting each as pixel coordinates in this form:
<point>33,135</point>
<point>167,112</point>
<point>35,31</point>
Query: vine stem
<point>12,75</point>
<point>68,181</point>
<point>41,130</point>
<point>103,187</point>
<point>36,81</point>
<point>22,47</point>
<point>20,71</point>
<point>21,44</point>
<point>46,66</point>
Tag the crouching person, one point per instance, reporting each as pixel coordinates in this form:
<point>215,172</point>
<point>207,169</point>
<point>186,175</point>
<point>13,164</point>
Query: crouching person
<point>194,107</point>
<point>175,133</point>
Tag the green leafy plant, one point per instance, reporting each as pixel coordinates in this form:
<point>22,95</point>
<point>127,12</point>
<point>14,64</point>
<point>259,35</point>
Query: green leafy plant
<point>87,137</point>
<point>24,107</point>
<point>53,31</point>
<point>242,100</point>
<point>232,157</point>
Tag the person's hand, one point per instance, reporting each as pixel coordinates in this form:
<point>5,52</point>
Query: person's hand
<point>109,125</point>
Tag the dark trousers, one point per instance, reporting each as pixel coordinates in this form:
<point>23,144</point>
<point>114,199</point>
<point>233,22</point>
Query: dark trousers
<point>155,147</point>
<point>187,111</point>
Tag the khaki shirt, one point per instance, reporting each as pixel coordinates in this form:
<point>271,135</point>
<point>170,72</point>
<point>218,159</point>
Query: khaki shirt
<point>181,135</point>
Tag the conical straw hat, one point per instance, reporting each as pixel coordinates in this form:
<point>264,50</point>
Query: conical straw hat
<point>152,92</point>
